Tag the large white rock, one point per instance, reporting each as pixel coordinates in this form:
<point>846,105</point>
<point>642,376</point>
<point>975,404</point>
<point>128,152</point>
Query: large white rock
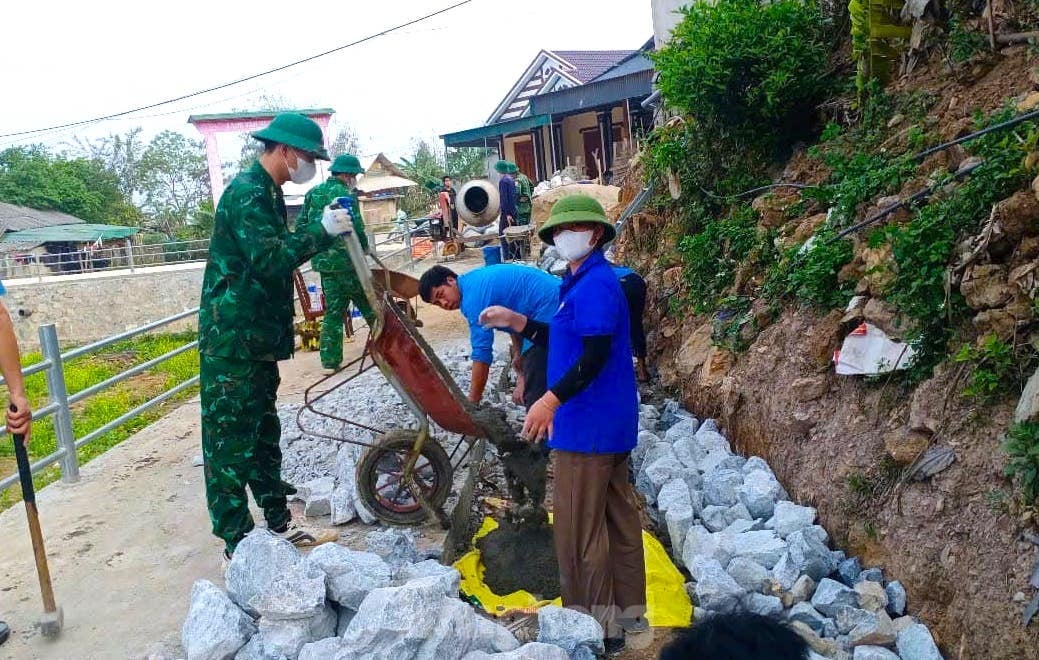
<point>448,576</point>
<point>286,638</point>
<point>452,634</point>
<point>916,643</point>
<point>491,637</point>
<point>393,622</point>
<point>300,595</point>
<point>714,588</point>
<point>259,558</point>
<point>788,518</point>
<point>762,547</point>
<point>759,493</point>
<point>679,519</point>
<point>215,627</point>
<point>702,544</point>
<point>529,651</point>
<point>317,496</point>
<point>349,575</point>
<point>684,428</point>
<point>720,487</point>
<point>674,492</point>
<point>344,496</point>
<point>570,630</point>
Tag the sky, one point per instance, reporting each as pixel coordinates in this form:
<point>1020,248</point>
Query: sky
<point>70,60</point>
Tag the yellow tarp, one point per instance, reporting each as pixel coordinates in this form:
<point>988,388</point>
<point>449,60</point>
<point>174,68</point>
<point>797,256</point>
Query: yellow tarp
<point>667,603</point>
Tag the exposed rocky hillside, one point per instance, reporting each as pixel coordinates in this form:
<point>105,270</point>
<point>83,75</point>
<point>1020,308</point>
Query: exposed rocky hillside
<point>761,360</point>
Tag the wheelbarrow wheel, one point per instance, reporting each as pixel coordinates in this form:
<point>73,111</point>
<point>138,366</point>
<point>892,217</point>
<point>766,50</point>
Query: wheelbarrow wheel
<point>380,478</point>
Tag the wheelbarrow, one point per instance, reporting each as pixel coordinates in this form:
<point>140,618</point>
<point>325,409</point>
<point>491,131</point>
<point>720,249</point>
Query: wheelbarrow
<point>405,476</point>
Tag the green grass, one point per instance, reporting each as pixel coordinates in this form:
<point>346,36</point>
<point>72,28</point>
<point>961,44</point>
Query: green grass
<point>98,410</point>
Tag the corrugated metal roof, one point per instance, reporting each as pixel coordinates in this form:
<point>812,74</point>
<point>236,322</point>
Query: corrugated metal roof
<point>598,93</point>
<point>79,233</point>
<point>15,218</point>
<point>474,137</point>
<point>636,63</point>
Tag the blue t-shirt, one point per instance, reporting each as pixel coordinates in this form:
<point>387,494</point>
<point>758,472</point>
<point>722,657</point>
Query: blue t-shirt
<point>604,417</point>
<point>2,289</point>
<point>529,291</point>
<point>621,271</point>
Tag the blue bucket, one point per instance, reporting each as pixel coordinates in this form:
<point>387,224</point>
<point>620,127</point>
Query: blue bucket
<point>492,255</point>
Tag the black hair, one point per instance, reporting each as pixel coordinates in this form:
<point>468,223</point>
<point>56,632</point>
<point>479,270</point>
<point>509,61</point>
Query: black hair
<point>269,146</point>
<point>445,177</point>
<point>432,278</point>
<point>742,636</point>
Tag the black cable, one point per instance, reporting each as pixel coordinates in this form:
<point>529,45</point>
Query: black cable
<point>240,80</point>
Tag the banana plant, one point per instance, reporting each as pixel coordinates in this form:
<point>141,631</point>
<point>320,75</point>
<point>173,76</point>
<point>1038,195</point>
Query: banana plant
<point>876,30</point>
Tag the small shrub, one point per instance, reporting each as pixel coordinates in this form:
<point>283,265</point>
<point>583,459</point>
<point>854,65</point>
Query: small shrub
<point>750,70</point>
<point>712,254</point>
<point>994,368</point>
<point>1022,446</point>
<point>809,273</point>
<point>964,43</point>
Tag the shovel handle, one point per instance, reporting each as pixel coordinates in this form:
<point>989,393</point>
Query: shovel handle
<point>21,455</point>
<point>35,533</point>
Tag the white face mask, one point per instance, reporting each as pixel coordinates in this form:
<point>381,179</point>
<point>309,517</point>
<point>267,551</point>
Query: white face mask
<point>573,245</point>
<point>303,172</point>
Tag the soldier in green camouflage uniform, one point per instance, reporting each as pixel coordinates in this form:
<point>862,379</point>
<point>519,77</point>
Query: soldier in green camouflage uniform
<point>524,195</point>
<point>524,203</point>
<point>245,327</point>
<point>339,280</point>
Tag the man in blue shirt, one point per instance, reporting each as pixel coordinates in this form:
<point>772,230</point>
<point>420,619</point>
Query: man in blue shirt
<point>530,291</point>
<point>590,416</point>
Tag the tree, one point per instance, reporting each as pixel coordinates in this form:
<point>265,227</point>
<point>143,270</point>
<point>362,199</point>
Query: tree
<point>428,165</point>
<point>346,140</point>
<point>32,176</point>
<point>174,180</point>
<point>120,154</point>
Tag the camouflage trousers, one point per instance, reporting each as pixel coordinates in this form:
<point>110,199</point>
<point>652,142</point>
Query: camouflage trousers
<point>240,445</point>
<point>340,289</point>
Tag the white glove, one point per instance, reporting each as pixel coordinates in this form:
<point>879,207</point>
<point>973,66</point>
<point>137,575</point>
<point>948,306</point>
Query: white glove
<point>337,221</point>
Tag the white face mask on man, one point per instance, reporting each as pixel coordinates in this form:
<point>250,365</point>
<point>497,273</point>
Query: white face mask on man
<point>304,170</point>
<point>573,245</point>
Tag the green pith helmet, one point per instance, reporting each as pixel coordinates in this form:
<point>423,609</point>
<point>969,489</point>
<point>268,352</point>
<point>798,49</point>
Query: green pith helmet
<point>575,208</point>
<point>297,131</point>
<point>346,164</point>
<point>502,167</point>
<point>513,169</point>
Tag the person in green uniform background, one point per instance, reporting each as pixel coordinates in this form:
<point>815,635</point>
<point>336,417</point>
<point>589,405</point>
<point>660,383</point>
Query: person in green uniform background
<point>339,280</point>
<point>524,195</point>
<point>524,204</point>
<point>245,327</point>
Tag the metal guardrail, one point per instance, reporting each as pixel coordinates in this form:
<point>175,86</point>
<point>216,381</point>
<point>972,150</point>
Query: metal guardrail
<point>123,257</point>
<point>60,401</point>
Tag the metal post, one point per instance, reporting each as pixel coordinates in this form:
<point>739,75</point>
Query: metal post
<point>66,439</point>
<point>129,254</point>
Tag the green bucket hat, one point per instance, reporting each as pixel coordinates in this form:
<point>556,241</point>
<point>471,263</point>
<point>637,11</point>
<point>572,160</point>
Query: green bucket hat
<point>297,131</point>
<point>502,167</point>
<point>346,164</point>
<point>513,169</point>
<point>575,208</point>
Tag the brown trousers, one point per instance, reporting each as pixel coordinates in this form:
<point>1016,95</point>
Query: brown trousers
<point>598,537</point>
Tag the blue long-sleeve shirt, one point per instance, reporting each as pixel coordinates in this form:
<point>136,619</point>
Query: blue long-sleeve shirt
<point>524,289</point>
<point>507,193</point>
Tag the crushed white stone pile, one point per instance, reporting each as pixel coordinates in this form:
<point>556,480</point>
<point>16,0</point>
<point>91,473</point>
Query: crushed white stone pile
<point>749,548</point>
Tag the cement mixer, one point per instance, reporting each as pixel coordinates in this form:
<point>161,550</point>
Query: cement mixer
<point>479,206</point>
